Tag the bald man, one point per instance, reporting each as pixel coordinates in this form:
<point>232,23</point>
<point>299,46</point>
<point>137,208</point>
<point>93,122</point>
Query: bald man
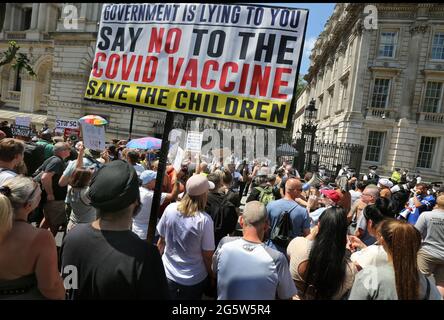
<point>298,214</point>
<point>248,270</point>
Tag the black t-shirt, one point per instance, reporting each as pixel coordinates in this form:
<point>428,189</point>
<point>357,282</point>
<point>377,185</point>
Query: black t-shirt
<point>112,265</point>
<point>56,165</point>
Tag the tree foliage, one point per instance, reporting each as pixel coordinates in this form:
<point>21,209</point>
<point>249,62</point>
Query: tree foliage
<point>18,60</point>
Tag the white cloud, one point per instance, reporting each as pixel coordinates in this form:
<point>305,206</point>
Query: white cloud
<point>308,45</point>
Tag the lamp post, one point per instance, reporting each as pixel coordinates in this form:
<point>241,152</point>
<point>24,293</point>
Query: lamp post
<point>309,129</point>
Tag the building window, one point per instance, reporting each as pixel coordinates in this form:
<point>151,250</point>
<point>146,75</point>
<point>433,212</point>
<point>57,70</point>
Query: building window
<point>433,97</point>
<point>380,93</point>
<point>344,92</point>
<point>18,81</point>
<point>426,151</point>
<point>374,146</point>
<point>335,135</point>
<point>387,44</point>
<point>26,19</point>
<point>438,46</point>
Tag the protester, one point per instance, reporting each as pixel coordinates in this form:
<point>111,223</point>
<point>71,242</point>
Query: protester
<point>384,186</point>
<point>374,254</point>
<point>187,241</point>
<point>221,210</point>
<point>356,193</point>
<point>28,256</point>
<point>246,269</point>
<point>112,262</point>
<point>133,158</point>
<point>45,140</point>
<point>431,255</point>
<point>418,203</point>
<point>399,279</point>
<point>328,199</point>
<point>53,195</point>
<point>232,195</point>
<point>141,221</point>
<point>319,266</point>
<point>300,221</point>
<point>11,155</point>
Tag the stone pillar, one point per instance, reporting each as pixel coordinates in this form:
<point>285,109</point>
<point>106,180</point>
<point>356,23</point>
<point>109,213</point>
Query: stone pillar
<point>8,15</point>
<point>409,82</point>
<point>12,14</point>
<point>41,23</point>
<point>34,17</point>
<point>403,146</point>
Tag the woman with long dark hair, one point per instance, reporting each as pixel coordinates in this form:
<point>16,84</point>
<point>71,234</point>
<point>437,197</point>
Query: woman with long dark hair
<point>320,267</point>
<point>400,278</point>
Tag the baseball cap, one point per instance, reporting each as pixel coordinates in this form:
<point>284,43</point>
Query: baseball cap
<point>331,194</point>
<point>198,185</point>
<point>147,176</point>
<point>385,182</point>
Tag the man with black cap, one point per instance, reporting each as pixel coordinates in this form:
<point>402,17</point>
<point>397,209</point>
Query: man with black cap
<point>111,262</point>
<point>371,177</point>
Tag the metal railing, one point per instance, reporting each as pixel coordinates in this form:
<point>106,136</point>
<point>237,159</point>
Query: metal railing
<point>333,156</point>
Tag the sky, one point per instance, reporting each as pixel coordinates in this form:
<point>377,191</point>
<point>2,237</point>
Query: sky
<point>317,17</point>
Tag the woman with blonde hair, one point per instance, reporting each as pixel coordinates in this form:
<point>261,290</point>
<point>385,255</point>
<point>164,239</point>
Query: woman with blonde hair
<point>400,278</point>
<point>187,241</point>
<point>28,256</point>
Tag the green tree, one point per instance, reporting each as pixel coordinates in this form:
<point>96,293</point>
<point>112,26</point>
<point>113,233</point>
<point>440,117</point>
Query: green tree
<point>18,60</point>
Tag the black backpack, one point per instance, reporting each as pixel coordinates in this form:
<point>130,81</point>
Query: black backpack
<point>223,213</point>
<point>34,156</point>
<point>280,235</point>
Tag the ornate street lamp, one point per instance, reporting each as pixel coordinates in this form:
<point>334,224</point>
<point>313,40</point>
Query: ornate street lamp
<point>309,129</point>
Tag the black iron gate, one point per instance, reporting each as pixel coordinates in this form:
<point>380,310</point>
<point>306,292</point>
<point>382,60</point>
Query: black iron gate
<point>332,155</point>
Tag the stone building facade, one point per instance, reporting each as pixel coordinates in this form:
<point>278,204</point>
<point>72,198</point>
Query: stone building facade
<point>62,59</point>
<point>382,85</point>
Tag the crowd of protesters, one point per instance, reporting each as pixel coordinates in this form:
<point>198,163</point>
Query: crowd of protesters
<point>226,229</point>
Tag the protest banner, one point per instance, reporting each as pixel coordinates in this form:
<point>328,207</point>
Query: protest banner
<point>23,121</point>
<point>93,137</point>
<point>194,141</point>
<point>223,61</point>
<point>21,131</point>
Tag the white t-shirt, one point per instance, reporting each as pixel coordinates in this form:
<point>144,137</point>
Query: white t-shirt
<point>373,255</point>
<point>355,195</point>
<point>141,221</point>
<point>5,175</point>
<point>251,271</point>
<point>186,238</point>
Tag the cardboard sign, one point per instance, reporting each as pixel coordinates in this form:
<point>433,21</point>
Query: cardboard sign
<point>21,131</point>
<point>93,137</point>
<point>69,133</point>
<point>194,141</point>
<point>64,123</point>
<point>179,158</point>
<point>23,121</point>
<point>224,61</point>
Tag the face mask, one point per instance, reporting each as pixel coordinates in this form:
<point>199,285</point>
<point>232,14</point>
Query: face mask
<point>322,171</point>
<point>372,171</point>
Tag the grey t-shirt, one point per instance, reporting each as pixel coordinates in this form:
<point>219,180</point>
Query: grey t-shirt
<point>378,283</point>
<point>431,226</point>
<point>251,271</point>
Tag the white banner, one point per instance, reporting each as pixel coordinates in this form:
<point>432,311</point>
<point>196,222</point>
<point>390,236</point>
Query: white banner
<point>23,121</point>
<point>224,61</point>
<point>178,160</point>
<point>66,124</point>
